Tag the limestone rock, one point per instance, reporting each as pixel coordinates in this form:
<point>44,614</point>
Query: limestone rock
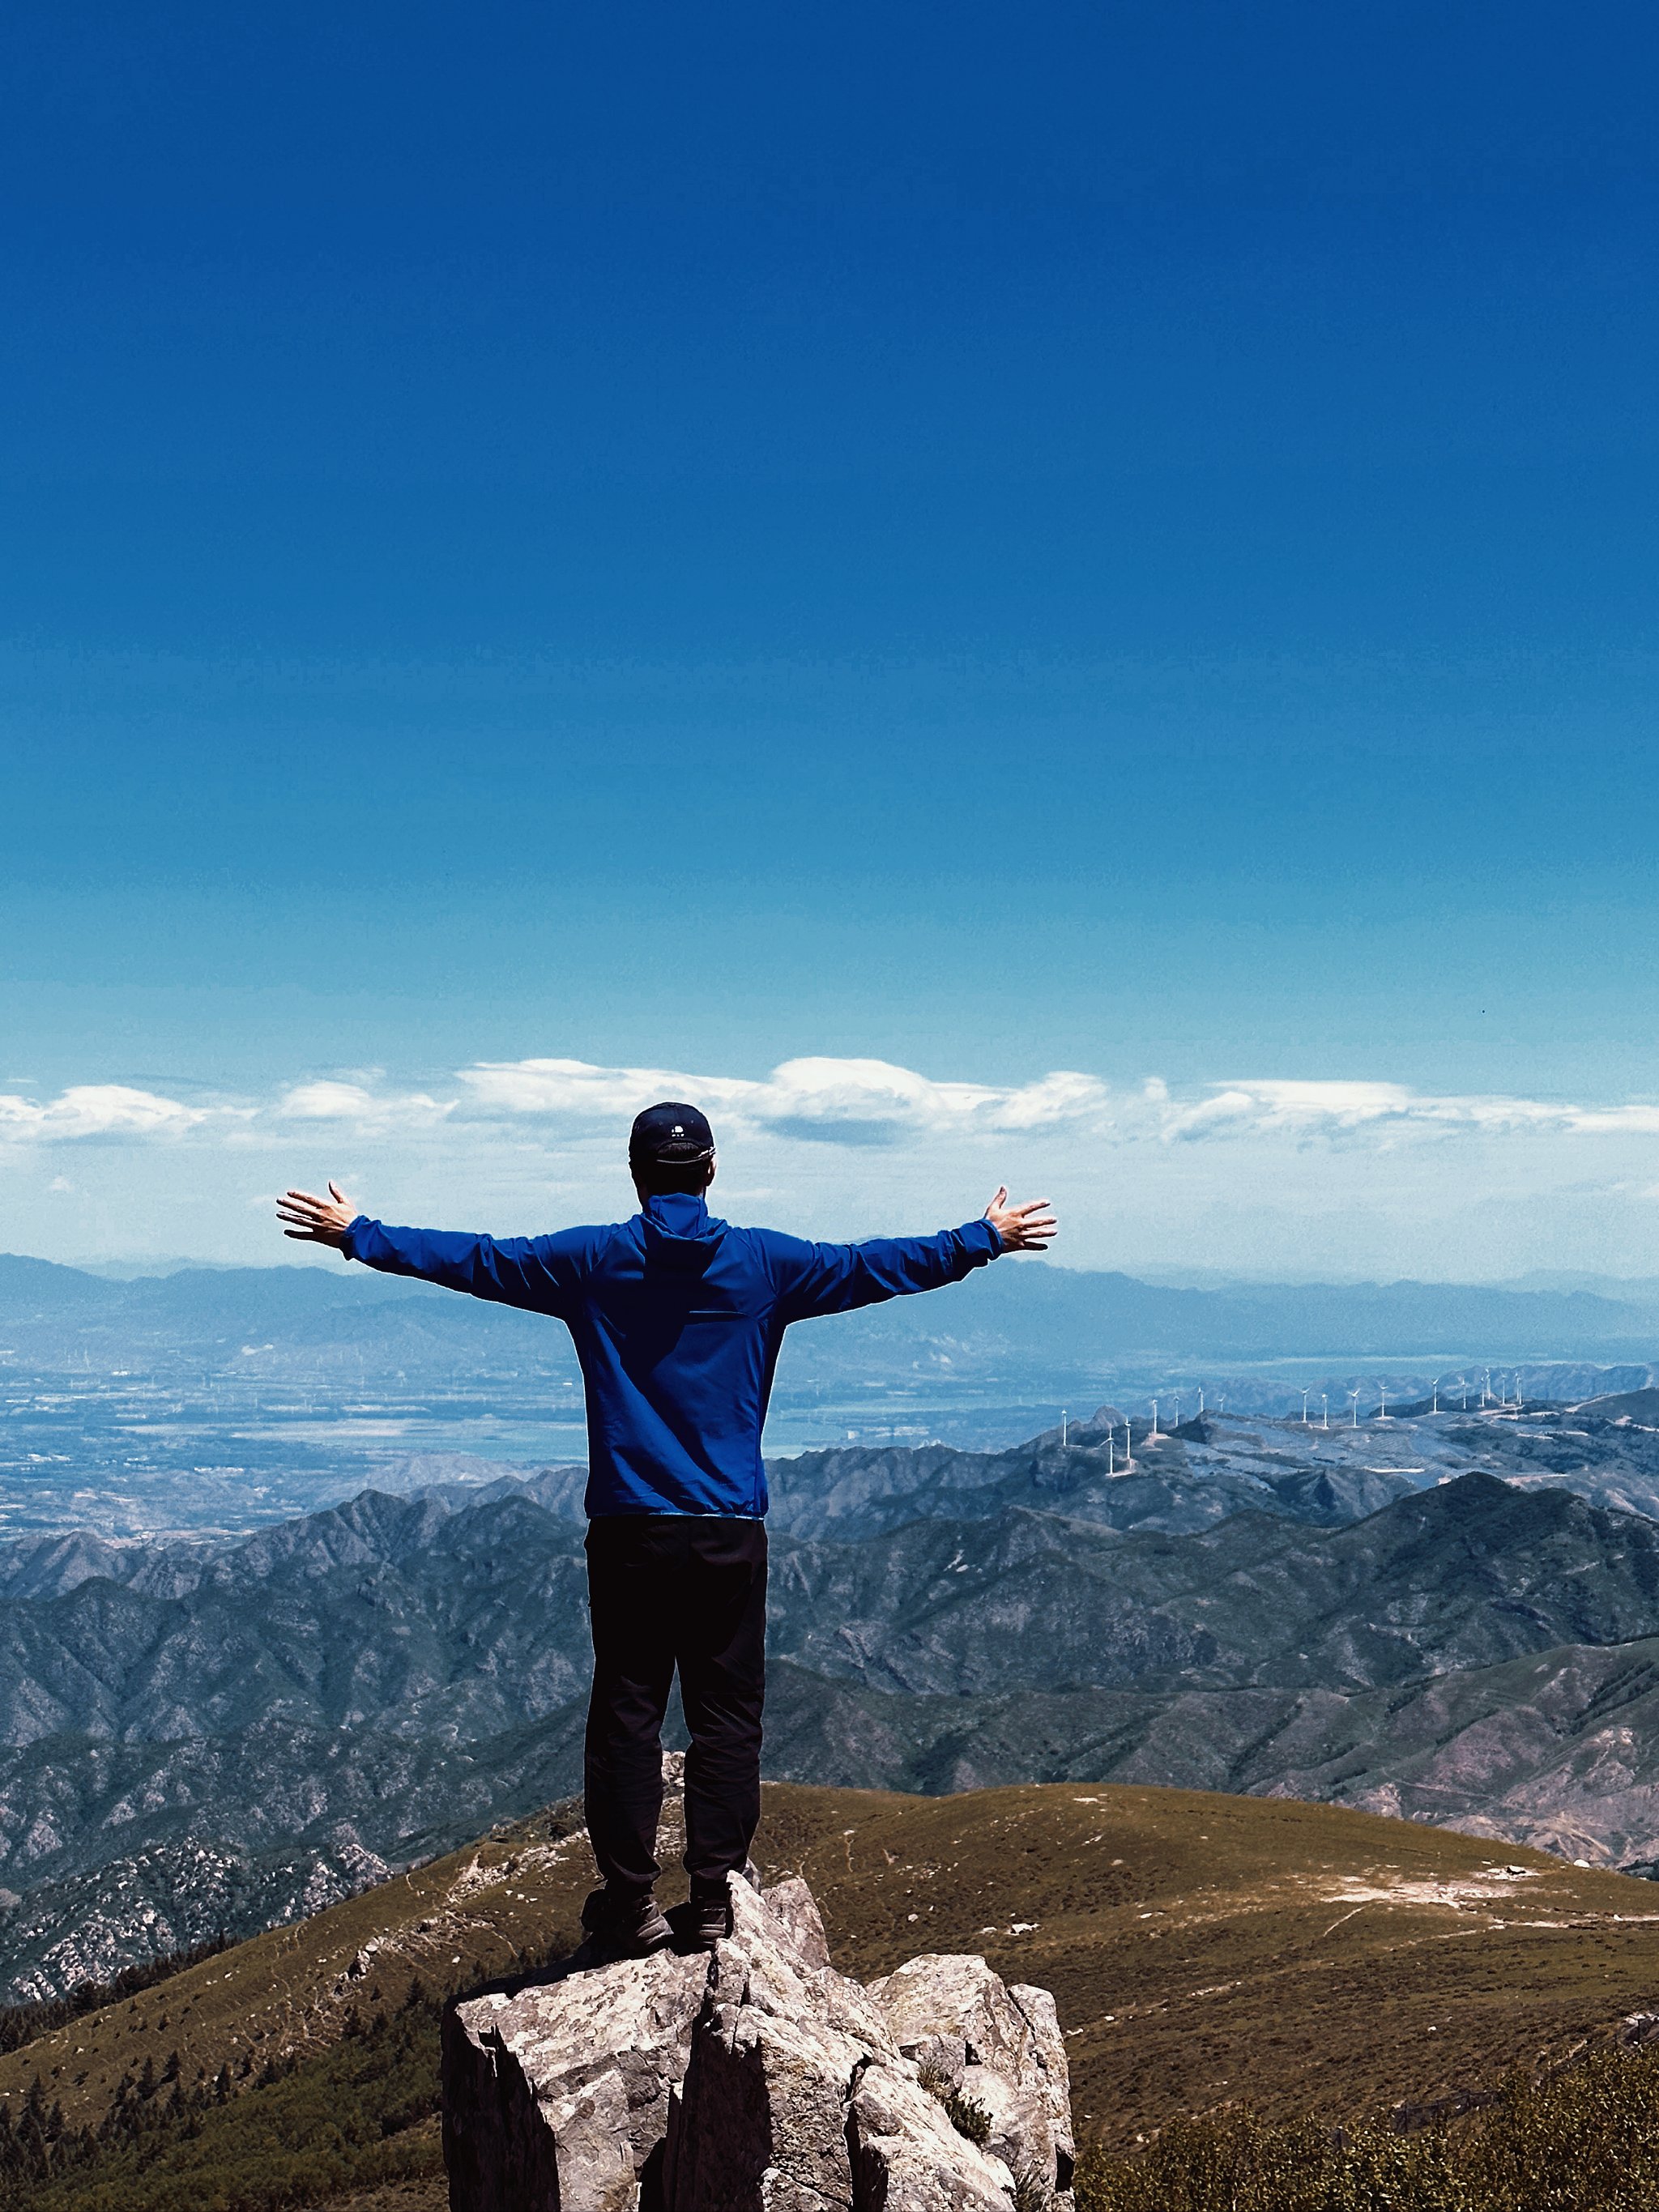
<point>763,2118</point>
<point>752,2079</point>
<point>907,2156</point>
<point>556,2095</point>
<point>796,1906</point>
<point>999,2048</point>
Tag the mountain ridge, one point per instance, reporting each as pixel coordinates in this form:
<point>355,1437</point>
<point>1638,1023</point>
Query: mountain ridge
<point>1013,1311</point>
<point>346,1692</point>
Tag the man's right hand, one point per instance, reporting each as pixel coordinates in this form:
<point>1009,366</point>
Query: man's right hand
<point>1021,1228</point>
<point>316,1220</point>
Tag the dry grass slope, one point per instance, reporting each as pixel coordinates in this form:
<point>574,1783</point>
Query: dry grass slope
<point>290,1992</point>
<point>1204,1951</point>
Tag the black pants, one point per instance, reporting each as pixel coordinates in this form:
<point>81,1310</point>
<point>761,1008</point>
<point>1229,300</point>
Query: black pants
<point>667,1590</point>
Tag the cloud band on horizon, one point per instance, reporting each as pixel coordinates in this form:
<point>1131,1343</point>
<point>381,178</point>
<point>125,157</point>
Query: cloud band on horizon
<point>824,1100</point>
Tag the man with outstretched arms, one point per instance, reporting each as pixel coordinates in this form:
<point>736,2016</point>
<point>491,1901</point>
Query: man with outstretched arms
<point>677,1319</point>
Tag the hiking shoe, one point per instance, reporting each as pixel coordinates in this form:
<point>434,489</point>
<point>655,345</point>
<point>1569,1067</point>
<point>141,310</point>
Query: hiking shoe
<point>624,1923</point>
<point>704,1919</point>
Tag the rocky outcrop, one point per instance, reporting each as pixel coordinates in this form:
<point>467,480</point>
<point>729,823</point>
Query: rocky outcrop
<point>999,2048</point>
<point>757,2079</point>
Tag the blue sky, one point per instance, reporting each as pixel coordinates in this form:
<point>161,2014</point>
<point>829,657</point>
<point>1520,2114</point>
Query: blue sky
<point>1115,541</point>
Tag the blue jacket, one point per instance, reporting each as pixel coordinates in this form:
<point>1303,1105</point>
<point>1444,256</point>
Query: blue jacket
<point>677,1319</point>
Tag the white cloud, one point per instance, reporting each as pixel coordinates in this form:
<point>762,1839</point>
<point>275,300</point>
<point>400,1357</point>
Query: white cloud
<point>1614,1121</point>
<point>850,1101</point>
<point>822,1100</point>
<point>363,1109</point>
<point>1302,1110</point>
<point>571,1087</point>
<point>96,1110</point>
<point>1305,1174</point>
<point>873,1101</point>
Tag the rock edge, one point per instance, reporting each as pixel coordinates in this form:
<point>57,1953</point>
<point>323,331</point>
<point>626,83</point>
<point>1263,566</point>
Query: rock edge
<point>757,2079</point>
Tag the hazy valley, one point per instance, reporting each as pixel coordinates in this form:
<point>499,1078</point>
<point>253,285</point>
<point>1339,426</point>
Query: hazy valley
<point>221,1399</point>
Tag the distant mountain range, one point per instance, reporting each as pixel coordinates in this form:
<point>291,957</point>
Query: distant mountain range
<point>1030,1314</point>
<point>218,1401</point>
<point>206,1734</point>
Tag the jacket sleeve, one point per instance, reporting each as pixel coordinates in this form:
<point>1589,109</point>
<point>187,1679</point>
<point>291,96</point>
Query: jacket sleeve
<point>541,1273</point>
<point>826,1279</point>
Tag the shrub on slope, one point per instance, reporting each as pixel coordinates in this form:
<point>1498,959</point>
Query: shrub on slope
<point>1586,2140</point>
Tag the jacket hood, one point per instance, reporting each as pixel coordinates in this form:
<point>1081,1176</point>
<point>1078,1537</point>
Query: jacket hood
<point>681,1235</point>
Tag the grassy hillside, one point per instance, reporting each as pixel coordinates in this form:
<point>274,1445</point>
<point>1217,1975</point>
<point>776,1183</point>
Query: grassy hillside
<point>1202,1950</point>
<point>289,1995</point>
<point>1585,2139</point>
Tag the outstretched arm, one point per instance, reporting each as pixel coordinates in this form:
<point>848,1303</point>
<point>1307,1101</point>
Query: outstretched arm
<point>826,1279</point>
<point>538,1273</point>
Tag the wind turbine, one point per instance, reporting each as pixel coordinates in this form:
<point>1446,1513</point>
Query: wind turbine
<point>1177,1418</point>
<point>1063,1428</point>
<point>1325,1400</point>
<point>1435,1408</point>
<point>1486,1387</point>
<point>1382,1413</point>
<point>1111,1451</point>
<point>1354,1395</point>
<point>1200,1401</point>
<point>1306,1394</point>
<point>1150,1439</point>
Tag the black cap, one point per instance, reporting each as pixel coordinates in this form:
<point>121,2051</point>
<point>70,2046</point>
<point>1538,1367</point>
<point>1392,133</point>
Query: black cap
<point>671,1134</point>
